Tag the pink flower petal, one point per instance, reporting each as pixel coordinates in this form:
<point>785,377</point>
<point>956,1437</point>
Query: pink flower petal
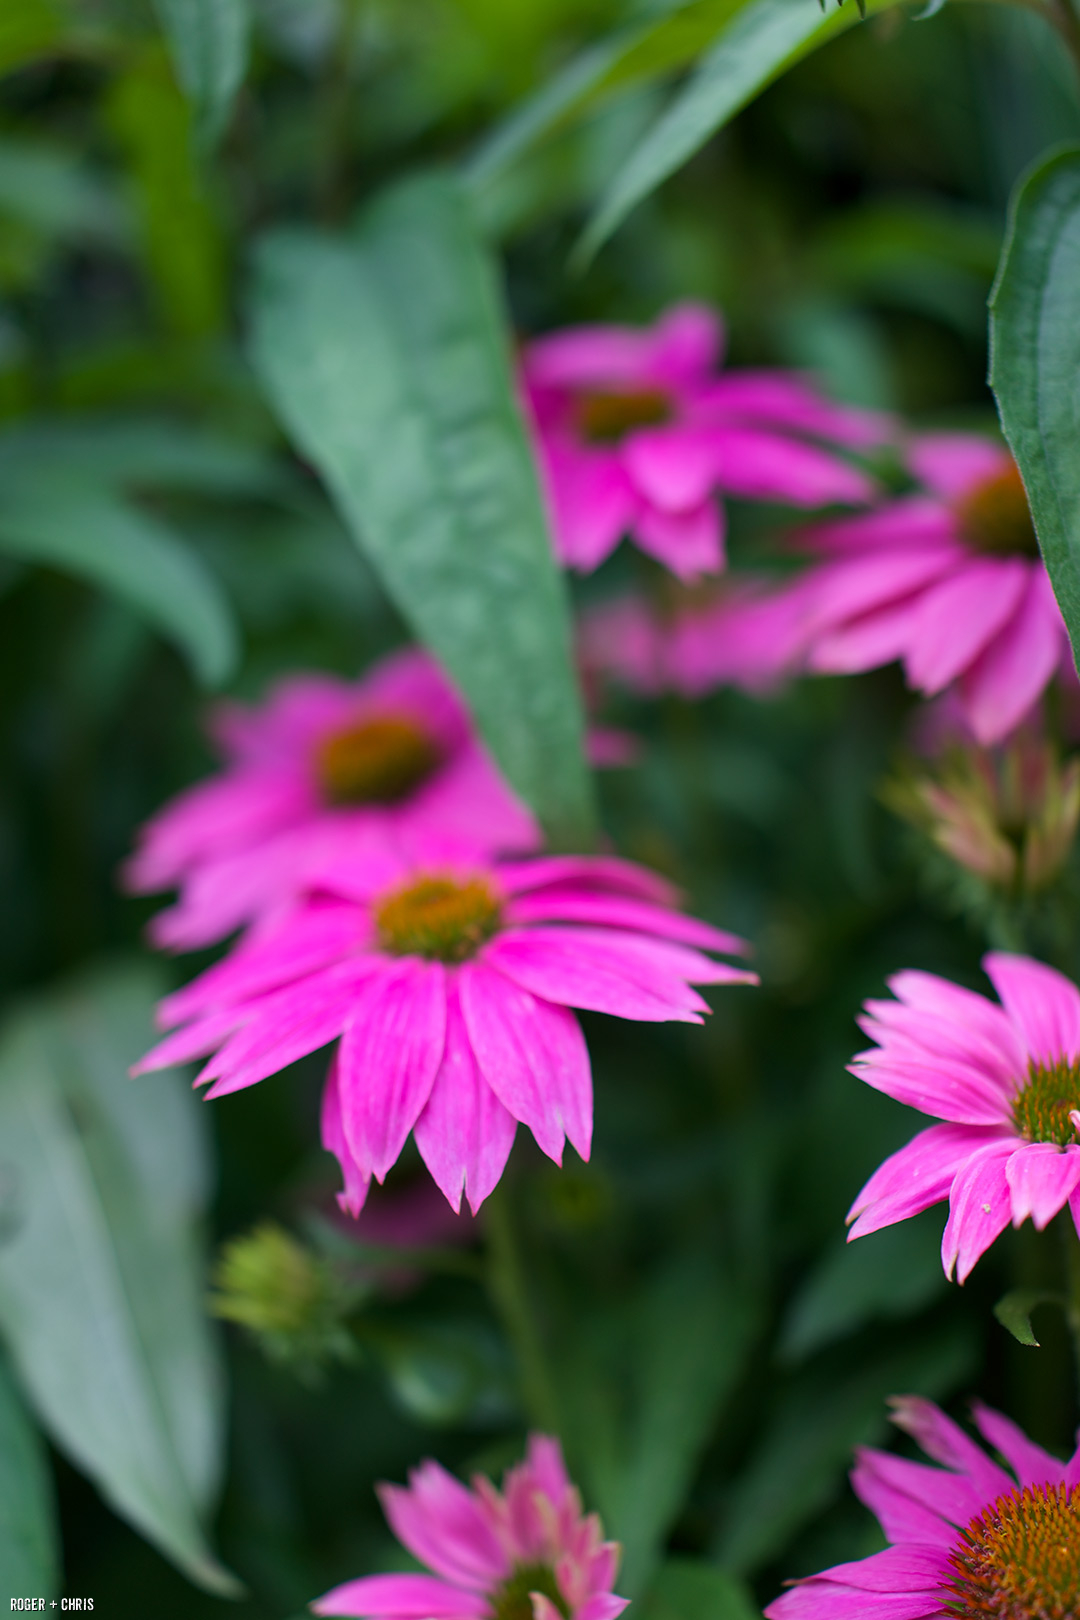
<point>464,1133</point>
<point>915,1177</point>
<point>1030,1463</point>
<point>390,1053</point>
<point>689,543</point>
<point>913,1502</point>
<point>950,1090</point>
<point>980,1209</point>
<point>446,1526</point>
<point>673,468</point>
<point>332,1132</point>
<point>977,1021</point>
<point>617,912</point>
<point>402,1597</point>
<point>1042,1177</point>
<point>588,873</point>
<point>532,1055</point>
<point>821,1599</point>
<point>1007,679</point>
<point>594,504</point>
<point>947,1443</point>
<point>762,466</point>
<point>1042,1003</point>
<point>959,617</point>
<point>953,464</point>
<point>597,970</point>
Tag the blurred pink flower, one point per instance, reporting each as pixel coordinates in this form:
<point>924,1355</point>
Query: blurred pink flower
<point>320,763</point>
<point>741,631</point>
<point>449,981</point>
<point>965,1539</point>
<point>950,582</point>
<point>1006,1081</point>
<point>526,1552</point>
<point>636,433</point>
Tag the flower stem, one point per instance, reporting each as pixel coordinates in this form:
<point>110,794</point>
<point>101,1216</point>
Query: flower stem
<point>509,1292</point>
<point>1072,1287</point>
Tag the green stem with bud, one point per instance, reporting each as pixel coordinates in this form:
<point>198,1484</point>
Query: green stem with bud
<point>510,1294</point>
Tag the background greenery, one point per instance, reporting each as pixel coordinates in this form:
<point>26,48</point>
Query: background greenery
<point>709,1349</point>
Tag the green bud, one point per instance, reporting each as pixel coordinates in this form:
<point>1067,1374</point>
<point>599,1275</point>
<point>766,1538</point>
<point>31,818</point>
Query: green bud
<point>292,1300</point>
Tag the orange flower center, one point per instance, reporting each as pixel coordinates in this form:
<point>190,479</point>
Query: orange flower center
<point>995,516</point>
<point>438,918</point>
<point>1019,1559</point>
<point>512,1600</point>
<point>603,418</point>
<point>377,761</point>
<point>1041,1110</point>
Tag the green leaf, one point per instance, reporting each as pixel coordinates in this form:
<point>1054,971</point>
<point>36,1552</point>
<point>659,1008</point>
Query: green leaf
<point>28,1536</point>
<point>29,29</point>
<point>762,40</point>
<point>209,42</point>
<point>144,453</point>
<point>805,1449</point>
<point>57,193</point>
<point>894,1272</point>
<point>1013,1311</point>
<point>691,1589</point>
<point>680,1351</point>
<point>101,1284</point>
<point>1035,361</point>
<point>386,358</point>
<point>99,537</point>
<point>633,55</point>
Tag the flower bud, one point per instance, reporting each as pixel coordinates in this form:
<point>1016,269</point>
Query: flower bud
<point>292,1300</point>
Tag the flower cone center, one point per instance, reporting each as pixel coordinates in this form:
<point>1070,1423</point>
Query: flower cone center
<point>1041,1111</point>
<point>438,918</point>
<point>1019,1559</point>
<point>996,518</point>
<point>376,761</point>
<point>603,418</point>
<point>512,1600</point>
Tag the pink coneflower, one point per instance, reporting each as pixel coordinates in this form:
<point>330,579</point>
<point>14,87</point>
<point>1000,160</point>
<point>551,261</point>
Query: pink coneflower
<point>319,763</point>
<point>448,980</point>
<point>968,1541</point>
<point>1006,1081</point>
<point>949,582</point>
<point>526,1552</point>
<point>637,433</point>
<point>740,631</point>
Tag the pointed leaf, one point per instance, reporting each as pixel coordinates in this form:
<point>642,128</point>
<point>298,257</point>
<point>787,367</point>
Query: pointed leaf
<point>1013,1311</point>
<point>386,357</point>
<point>100,1280</point>
<point>1035,361</point>
<point>28,1539</point>
<point>101,538</point>
<point>209,42</point>
<point>762,40</point>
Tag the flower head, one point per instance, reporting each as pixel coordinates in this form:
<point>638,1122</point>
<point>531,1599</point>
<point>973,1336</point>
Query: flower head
<point>949,581</point>
<point>972,1540</point>
<point>637,433</point>
<point>526,1552</point>
<point>321,762</point>
<point>447,982</point>
<point>1004,1078</point>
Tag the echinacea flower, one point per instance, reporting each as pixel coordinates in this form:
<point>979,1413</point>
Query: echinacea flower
<point>319,763</point>
<point>526,1552</point>
<point>971,1540</point>
<point>742,631</point>
<point>1005,1079</point>
<point>949,581</point>
<point>447,982</point>
<point>637,433</point>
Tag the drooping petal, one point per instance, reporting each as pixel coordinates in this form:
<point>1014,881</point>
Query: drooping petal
<point>533,1056</point>
<point>690,543</point>
<point>915,1177</point>
<point>464,1133</point>
<point>1005,681</point>
<point>390,1053</point>
<point>980,1208</point>
<point>959,617</point>
<point>1042,1003</point>
<point>821,1599</point>
<point>947,1089</point>
<point>593,504</point>
<point>763,466</point>
<point>912,1502</point>
<point>1042,1177</point>
<point>1030,1463</point>
<point>332,1132</point>
<point>547,905</point>
<point>402,1597</point>
<point>947,1443</point>
<point>603,972</point>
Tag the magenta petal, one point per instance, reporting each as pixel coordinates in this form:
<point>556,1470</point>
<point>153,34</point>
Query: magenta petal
<point>763,466</point>
<point>672,467</point>
<point>447,1527</point>
<point>689,543</point>
<point>914,1177</point>
<point>953,464</point>
<point>332,1132</point>
<point>285,1026</point>
<point>402,1597</point>
<point>587,874</point>
<point>618,912</point>
<point>624,976</point>
<point>594,505</point>
<point>948,1088</point>
<point>1042,1177</point>
<point>980,1208</point>
<point>821,1599</point>
<point>958,618</point>
<point>532,1055</point>
<point>913,1502</point>
<point>390,1053</point>
<point>1005,681</point>
<point>947,1443</point>
<point>1030,1463</point>
<point>1042,1003</point>
<point>894,1569</point>
<point>464,1133</point>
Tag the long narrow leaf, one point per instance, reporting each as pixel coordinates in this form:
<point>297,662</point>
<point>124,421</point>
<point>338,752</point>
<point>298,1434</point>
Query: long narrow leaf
<point>1035,361</point>
<point>386,358</point>
<point>761,41</point>
<point>99,537</point>
<point>28,1550</point>
<point>209,42</point>
<point>100,1286</point>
